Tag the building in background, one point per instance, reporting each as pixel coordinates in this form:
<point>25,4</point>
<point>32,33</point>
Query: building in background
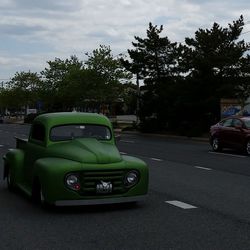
<point>230,107</point>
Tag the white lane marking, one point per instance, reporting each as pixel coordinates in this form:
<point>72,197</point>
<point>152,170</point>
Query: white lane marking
<point>156,159</point>
<point>123,153</point>
<point>232,155</point>
<point>208,169</point>
<point>180,204</point>
<point>127,141</point>
<point>1,146</point>
<point>10,149</point>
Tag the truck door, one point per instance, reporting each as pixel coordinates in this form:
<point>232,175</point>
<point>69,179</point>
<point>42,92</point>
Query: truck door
<point>35,149</point>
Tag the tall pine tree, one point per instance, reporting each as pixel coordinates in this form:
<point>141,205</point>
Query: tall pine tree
<point>154,60</point>
<point>217,66</point>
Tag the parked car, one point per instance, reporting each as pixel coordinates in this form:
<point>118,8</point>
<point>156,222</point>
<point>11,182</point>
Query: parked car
<point>232,132</point>
<point>72,159</point>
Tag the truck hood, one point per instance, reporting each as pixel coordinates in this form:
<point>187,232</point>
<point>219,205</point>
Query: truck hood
<point>86,150</point>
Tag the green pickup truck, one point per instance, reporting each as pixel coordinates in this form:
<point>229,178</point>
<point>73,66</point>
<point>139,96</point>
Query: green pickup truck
<point>71,159</point>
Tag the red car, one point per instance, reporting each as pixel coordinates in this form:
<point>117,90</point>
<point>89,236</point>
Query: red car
<point>232,132</point>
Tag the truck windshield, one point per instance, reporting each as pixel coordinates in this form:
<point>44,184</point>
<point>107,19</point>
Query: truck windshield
<point>70,132</point>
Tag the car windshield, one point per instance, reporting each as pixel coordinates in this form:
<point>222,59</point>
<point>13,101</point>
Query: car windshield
<point>69,132</point>
<point>247,122</point>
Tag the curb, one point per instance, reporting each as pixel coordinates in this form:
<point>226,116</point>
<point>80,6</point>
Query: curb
<point>201,139</point>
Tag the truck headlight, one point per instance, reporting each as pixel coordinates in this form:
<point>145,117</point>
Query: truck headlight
<point>131,178</point>
<point>73,182</point>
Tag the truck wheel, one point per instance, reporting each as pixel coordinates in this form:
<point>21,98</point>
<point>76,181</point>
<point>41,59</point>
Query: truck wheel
<point>10,184</point>
<point>37,193</point>
<point>38,196</point>
<point>42,200</point>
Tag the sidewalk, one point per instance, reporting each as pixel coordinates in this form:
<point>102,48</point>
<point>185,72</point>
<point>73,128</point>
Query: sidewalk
<point>202,139</point>
<point>13,120</point>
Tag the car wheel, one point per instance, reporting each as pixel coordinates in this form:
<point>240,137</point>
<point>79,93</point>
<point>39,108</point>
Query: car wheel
<point>216,145</point>
<point>247,148</point>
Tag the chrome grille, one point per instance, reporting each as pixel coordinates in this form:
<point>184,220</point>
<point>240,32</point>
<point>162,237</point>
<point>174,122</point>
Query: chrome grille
<point>89,180</point>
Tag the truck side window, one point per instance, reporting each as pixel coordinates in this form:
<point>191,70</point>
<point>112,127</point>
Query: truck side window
<point>38,132</point>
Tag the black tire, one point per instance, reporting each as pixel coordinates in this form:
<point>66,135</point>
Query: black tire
<point>247,148</point>
<point>37,194</point>
<point>9,178</point>
<point>216,145</point>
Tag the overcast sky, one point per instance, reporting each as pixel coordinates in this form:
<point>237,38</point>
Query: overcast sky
<point>35,31</point>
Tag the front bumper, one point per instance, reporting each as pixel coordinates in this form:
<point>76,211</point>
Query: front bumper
<point>99,201</point>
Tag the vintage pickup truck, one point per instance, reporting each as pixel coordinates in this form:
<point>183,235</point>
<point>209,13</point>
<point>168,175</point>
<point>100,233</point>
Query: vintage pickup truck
<point>72,159</point>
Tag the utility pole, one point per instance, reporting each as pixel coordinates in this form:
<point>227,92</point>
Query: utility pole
<point>137,98</point>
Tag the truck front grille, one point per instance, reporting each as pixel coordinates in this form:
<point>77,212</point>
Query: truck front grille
<point>90,179</point>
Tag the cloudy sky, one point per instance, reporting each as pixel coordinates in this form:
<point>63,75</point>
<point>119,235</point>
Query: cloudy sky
<point>35,31</point>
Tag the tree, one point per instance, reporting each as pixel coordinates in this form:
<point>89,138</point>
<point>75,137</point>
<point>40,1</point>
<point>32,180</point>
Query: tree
<point>25,87</point>
<point>110,73</point>
<point>154,59</point>
<point>58,90</point>
<point>10,98</point>
<point>242,90</point>
<point>217,66</point>
<point>71,83</point>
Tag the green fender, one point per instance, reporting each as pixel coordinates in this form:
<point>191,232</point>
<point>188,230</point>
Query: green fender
<point>14,161</point>
<point>141,166</point>
<point>51,174</point>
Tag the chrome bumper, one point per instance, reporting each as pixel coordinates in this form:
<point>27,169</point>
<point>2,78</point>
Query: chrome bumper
<point>99,201</point>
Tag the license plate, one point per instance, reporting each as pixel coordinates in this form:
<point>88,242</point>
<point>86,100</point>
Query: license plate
<point>104,187</point>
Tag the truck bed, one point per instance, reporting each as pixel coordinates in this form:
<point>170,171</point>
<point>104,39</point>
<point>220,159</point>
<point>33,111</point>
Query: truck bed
<point>21,142</point>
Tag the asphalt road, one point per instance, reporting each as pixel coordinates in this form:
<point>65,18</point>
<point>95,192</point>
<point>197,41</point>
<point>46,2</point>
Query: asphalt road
<point>197,200</point>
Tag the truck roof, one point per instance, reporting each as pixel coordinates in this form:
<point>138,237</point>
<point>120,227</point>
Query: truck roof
<point>61,118</point>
